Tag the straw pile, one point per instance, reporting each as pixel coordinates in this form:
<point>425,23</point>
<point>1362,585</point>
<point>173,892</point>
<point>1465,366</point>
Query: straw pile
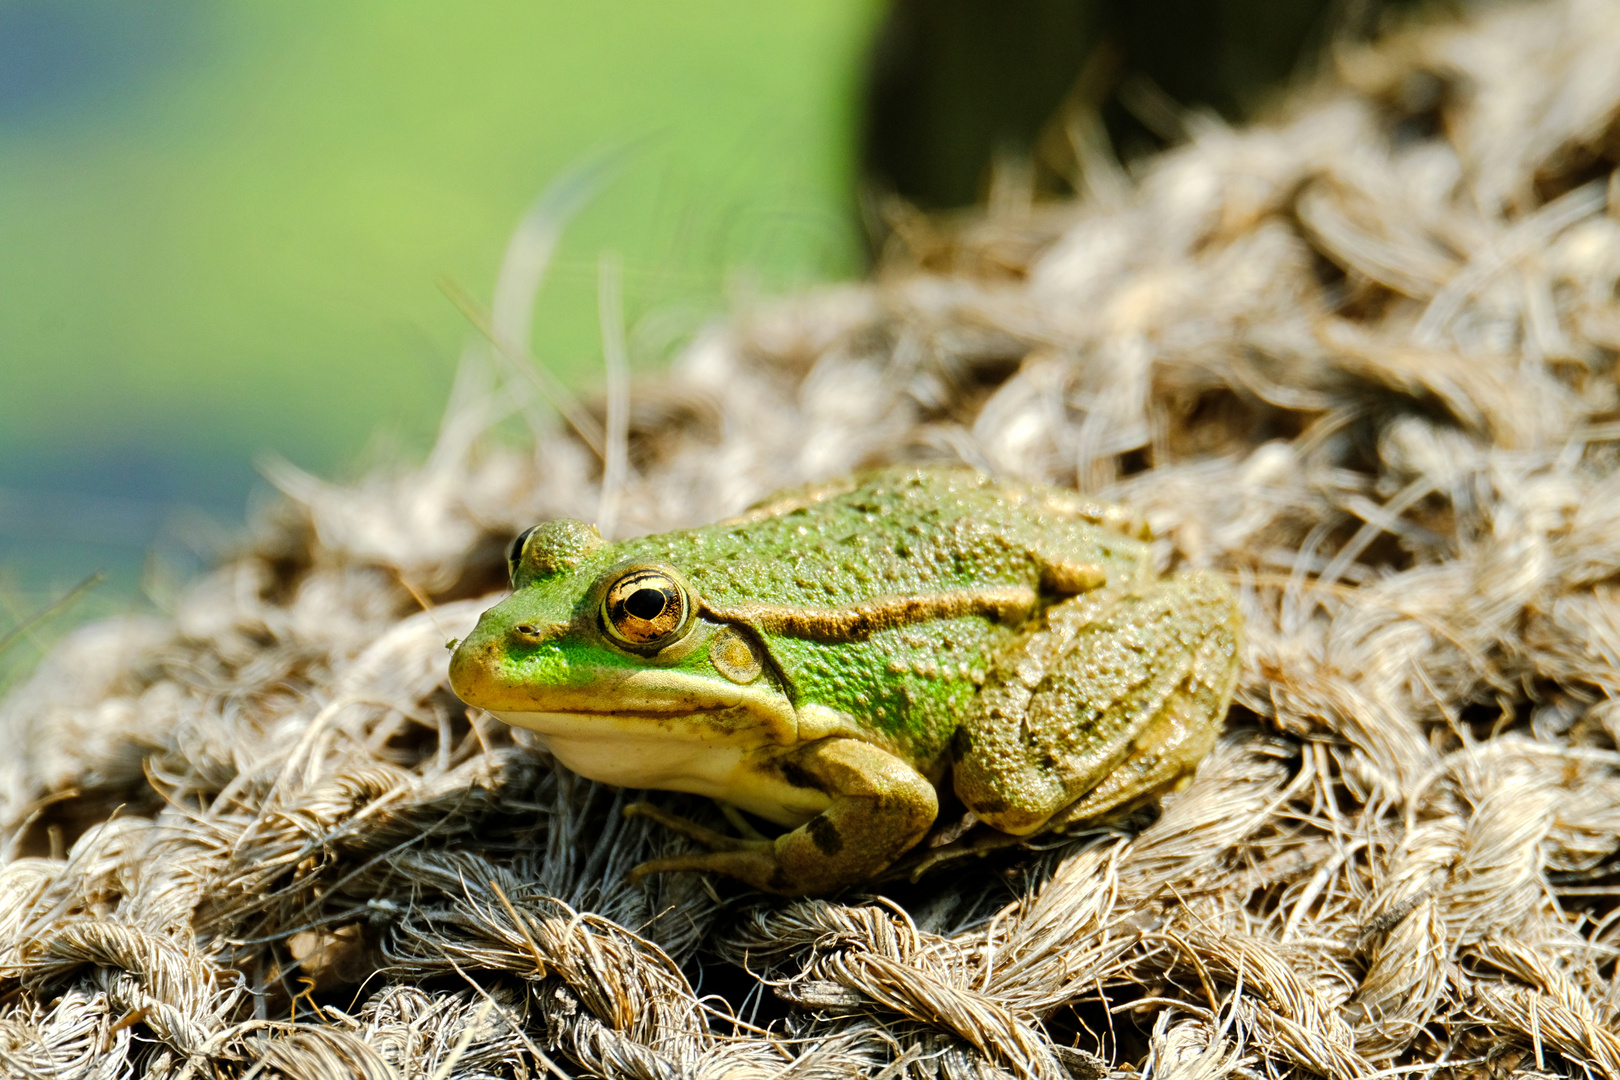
<point>1362,359</point>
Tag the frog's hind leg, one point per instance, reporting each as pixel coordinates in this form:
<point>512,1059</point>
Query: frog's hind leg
<point>881,806</point>
<point>1113,698</point>
<point>1162,760</point>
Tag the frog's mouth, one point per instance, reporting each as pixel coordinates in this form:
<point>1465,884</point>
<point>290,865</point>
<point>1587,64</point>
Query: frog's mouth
<point>667,706</point>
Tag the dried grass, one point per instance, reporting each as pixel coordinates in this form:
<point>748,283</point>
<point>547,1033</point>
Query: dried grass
<point>1362,359</point>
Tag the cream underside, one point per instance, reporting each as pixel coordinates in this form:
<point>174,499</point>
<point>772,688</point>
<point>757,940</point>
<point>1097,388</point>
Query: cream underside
<point>673,754</point>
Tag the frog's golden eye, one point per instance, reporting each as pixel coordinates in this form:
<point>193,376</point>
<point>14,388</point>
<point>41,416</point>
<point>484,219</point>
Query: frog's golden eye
<point>514,553</point>
<point>646,606</point>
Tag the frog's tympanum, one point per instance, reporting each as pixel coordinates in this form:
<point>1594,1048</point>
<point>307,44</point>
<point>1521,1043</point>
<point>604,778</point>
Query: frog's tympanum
<point>832,659</point>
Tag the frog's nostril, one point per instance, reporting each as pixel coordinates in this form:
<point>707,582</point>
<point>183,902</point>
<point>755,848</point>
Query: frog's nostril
<point>535,633</point>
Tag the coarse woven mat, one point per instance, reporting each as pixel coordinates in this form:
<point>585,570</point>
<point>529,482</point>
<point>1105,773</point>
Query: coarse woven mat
<point>1362,359</point>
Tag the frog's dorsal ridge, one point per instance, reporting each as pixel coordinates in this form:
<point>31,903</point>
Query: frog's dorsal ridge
<point>1009,604</point>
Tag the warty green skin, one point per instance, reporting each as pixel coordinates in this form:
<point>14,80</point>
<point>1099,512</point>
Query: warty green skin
<point>903,623</point>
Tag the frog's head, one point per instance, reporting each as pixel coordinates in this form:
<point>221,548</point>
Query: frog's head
<point>592,640</point>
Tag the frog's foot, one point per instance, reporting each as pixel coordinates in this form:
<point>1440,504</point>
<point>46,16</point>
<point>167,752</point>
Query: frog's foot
<point>754,861</point>
<point>755,865</point>
<point>688,828</point>
<point>880,807</point>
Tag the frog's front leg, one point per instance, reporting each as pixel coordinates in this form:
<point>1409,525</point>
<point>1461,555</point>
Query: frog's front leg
<point>881,806</point>
<point>1114,697</point>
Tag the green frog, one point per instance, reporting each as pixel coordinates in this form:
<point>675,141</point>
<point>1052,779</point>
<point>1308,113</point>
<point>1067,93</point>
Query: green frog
<point>837,657</point>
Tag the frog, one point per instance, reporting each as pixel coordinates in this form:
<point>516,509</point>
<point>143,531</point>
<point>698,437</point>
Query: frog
<point>842,658</point>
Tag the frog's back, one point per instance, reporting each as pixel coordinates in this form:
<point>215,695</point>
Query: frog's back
<point>917,531</point>
<point>883,598</point>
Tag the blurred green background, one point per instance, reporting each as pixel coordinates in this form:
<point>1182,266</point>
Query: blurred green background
<point>222,225</point>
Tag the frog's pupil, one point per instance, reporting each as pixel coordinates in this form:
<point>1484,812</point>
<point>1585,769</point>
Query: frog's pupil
<point>646,604</point>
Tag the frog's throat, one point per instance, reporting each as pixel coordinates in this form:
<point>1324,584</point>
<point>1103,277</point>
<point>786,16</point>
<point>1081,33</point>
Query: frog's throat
<point>1003,603</point>
<point>677,754</point>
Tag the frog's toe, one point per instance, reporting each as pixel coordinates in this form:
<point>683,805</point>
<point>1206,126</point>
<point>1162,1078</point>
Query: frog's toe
<point>752,861</point>
<point>688,828</point>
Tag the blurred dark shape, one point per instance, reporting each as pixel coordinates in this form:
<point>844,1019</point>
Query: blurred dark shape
<point>955,85</point>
